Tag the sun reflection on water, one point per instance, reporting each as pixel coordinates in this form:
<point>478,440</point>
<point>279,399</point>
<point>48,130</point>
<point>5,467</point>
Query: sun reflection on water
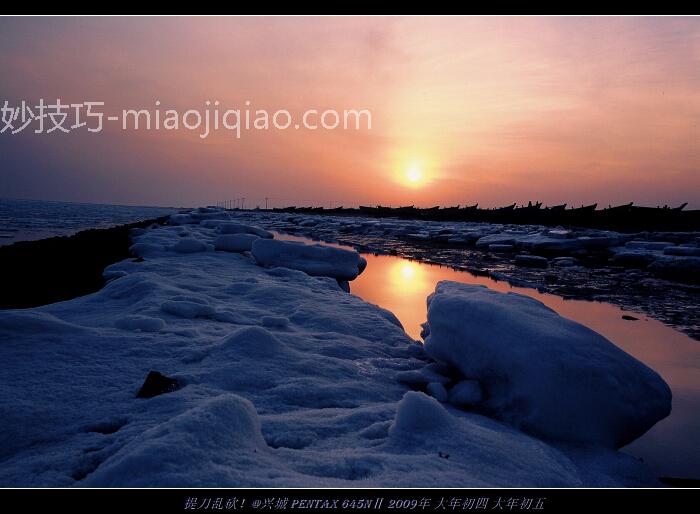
<point>406,277</point>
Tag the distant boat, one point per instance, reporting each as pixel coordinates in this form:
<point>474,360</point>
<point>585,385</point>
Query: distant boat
<point>584,209</point>
<point>401,211</point>
<point>530,206</point>
<point>366,209</point>
<point>626,217</point>
<point>619,208</point>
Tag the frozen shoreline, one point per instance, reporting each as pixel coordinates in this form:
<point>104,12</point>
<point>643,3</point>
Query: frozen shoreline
<point>651,272</point>
<point>285,380</point>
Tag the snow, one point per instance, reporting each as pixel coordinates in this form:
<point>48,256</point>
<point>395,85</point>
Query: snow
<point>466,393</point>
<point>315,260</point>
<point>543,373</point>
<point>422,376</point>
<point>235,242</point>
<point>187,308</point>
<point>239,228</point>
<point>285,380</point>
<point>476,446</point>
<point>224,427</point>
<point>35,322</point>
<point>417,414</point>
<point>437,391</point>
<point>189,245</point>
<point>143,323</point>
<point>181,219</point>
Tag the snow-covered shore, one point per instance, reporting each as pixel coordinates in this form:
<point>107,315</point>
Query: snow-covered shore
<point>283,379</point>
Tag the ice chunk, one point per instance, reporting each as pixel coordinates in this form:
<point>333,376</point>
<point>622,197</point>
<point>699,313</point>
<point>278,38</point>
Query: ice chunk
<point>648,245</point>
<point>235,242</point>
<point>501,248</point>
<point>315,260</point>
<point>688,251</point>
<point>532,261</point>
<point>212,223</point>
<point>543,243</point>
<point>564,262</point>
<point>437,391</point>
<point>230,227</point>
<point>686,269</point>
<point>419,413</point>
<point>543,373</point>
<point>189,245</point>
<point>487,241</point>
<point>633,258</point>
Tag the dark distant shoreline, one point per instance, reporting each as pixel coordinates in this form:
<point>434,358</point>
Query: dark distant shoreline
<point>39,272</point>
<point>622,218</point>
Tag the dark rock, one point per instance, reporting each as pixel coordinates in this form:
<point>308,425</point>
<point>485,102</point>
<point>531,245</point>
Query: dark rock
<point>157,384</point>
<point>629,318</point>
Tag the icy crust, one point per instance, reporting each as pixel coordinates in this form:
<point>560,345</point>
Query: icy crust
<point>543,373</point>
<point>283,379</point>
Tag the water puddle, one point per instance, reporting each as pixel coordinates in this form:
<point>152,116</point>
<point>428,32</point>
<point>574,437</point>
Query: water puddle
<point>670,447</point>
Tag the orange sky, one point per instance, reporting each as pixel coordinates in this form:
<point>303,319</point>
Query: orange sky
<point>492,110</point>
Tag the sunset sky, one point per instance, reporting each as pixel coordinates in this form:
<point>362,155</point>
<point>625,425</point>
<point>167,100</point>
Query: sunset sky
<point>464,110</point>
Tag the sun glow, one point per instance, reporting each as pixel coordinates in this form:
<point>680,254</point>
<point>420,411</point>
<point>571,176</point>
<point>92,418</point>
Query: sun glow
<point>414,174</point>
<point>408,271</point>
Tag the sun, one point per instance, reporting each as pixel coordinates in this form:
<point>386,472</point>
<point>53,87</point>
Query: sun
<point>414,175</point>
